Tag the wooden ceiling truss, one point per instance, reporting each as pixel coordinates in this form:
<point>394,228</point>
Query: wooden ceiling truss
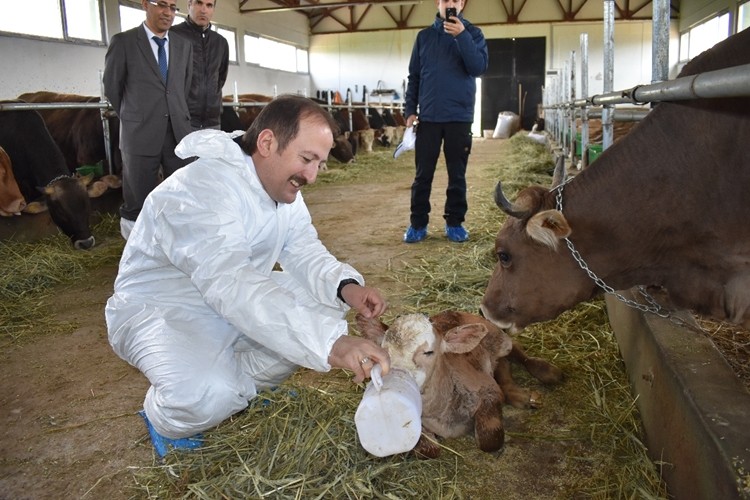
<point>349,15</point>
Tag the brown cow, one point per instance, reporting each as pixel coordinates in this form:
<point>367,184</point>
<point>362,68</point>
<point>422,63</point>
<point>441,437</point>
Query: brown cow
<point>79,132</point>
<point>619,130</point>
<point>248,114</point>
<point>666,206</point>
<point>461,364</point>
<point>11,199</point>
<point>43,177</point>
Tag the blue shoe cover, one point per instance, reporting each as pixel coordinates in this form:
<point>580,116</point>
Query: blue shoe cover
<point>413,235</point>
<point>456,234</point>
<point>162,444</point>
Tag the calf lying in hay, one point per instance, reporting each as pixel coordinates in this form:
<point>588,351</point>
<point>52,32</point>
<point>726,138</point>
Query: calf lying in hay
<point>461,363</point>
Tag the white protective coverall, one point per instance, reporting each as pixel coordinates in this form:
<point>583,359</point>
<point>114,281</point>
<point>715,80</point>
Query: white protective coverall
<point>197,306</point>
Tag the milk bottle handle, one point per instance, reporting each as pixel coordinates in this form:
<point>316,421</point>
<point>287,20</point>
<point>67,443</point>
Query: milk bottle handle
<point>376,374</point>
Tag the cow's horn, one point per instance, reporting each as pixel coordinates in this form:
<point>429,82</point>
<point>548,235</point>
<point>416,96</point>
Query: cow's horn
<point>558,176</point>
<point>507,206</point>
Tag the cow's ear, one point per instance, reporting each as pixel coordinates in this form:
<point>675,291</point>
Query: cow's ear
<point>48,190</point>
<point>463,338</point>
<point>85,180</point>
<point>372,329</point>
<point>548,227</point>
<point>96,189</point>
<point>35,207</point>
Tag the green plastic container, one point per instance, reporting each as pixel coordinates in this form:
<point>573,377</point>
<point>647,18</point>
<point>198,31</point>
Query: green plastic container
<point>97,170</point>
<point>594,151</point>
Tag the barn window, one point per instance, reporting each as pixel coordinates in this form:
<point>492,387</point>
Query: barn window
<point>271,54</point>
<point>72,20</point>
<point>231,37</point>
<point>743,16</point>
<point>703,36</point>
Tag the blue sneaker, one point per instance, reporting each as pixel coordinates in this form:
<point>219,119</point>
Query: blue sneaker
<point>413,235</point>
<point>162,444</point>
<point>456,234</point>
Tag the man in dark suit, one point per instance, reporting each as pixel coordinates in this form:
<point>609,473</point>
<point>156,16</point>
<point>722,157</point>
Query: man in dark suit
<point>147,76</point>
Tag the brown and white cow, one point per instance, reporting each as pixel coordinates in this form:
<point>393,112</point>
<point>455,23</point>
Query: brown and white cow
<point>11,199</point>
<point>359,129</point>
<point>461,363</point>
<point>665,206</point>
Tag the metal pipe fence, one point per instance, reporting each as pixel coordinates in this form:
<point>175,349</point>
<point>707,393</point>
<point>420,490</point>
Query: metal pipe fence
<point>564,110</point>
<point>107,111</point>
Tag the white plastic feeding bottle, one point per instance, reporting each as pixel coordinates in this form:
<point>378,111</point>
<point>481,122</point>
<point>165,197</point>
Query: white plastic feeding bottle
<point>389,417</point>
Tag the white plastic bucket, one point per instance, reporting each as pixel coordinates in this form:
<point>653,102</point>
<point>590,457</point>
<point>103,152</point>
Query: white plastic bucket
<point>389,418</point>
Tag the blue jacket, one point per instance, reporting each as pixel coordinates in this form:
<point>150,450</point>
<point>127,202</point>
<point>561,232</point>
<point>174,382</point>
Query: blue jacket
<point>442,71</point>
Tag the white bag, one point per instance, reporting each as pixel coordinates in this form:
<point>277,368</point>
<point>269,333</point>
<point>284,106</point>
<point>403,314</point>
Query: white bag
<point>407,143</point>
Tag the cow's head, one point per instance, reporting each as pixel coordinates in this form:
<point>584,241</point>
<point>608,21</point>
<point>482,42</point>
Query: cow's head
<point>366,139</point>
<point>342,149</point>
<point>70,208</point>
<point>535,278</point>
<point>11,199</point>
<point>416,346</point>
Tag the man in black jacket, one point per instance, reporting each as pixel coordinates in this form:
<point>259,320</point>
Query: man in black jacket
<point>210,64</point>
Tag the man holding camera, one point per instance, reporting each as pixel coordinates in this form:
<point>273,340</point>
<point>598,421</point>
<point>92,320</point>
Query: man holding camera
<point>446,59</point>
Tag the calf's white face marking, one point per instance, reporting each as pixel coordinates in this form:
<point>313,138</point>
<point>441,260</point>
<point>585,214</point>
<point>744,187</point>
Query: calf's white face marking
<point>411,343</point>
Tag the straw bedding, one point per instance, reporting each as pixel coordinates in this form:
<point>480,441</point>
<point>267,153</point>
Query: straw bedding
<point>300,441</point>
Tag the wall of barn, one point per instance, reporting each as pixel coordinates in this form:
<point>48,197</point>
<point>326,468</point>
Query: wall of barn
<point>33,63</point>
<point>349,61</point>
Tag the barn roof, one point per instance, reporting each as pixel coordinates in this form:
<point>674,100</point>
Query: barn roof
<point>348,16</point>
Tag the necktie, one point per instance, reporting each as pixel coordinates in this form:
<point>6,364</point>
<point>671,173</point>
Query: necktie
<point>162,57</point>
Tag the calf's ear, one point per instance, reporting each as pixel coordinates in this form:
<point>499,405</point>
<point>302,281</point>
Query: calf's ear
<point>372,329</point>
<point>463,338</point>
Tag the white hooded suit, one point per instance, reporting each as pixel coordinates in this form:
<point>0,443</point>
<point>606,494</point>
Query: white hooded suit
<point>197,305</point>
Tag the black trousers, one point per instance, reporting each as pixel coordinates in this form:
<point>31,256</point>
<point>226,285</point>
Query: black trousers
<point>141,174</point>
<point>455,137</point>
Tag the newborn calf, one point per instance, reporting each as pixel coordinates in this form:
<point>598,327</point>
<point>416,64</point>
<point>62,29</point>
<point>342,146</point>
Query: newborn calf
<point>461,364</point>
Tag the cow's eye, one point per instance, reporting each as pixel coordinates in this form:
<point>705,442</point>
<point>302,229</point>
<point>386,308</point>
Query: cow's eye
<point>503,258</point>
<point>429,353</point>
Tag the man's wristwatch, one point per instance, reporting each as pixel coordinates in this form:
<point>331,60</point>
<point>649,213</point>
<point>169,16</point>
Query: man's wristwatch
<point>342,284</point>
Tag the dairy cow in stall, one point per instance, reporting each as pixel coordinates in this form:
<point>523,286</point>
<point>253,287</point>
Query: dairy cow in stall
<point>79,132</point>
<point>665,206</point>
<point>42,175</point>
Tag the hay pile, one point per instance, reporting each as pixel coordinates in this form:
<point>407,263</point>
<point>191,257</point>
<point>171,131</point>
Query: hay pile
<point>296,442</point>
<point>30,271</point>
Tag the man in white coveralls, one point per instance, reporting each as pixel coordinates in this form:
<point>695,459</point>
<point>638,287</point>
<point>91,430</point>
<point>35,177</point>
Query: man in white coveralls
<point>197,304</point>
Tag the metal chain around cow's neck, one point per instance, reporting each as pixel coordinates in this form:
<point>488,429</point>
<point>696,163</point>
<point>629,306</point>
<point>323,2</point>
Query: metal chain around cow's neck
<point>652,307</point>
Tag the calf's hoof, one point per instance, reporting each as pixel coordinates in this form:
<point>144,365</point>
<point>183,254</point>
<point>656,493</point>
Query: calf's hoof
<point>427,447</point>
<point>544,371</point>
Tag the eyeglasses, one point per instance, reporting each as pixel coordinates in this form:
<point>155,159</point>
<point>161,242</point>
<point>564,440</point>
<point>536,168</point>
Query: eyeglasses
<point>165,6</point>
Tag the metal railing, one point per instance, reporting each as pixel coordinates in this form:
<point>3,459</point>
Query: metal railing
<point>106,110</point>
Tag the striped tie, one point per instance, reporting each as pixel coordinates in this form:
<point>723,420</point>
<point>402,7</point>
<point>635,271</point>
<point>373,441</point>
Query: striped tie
<point>162,56</point>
